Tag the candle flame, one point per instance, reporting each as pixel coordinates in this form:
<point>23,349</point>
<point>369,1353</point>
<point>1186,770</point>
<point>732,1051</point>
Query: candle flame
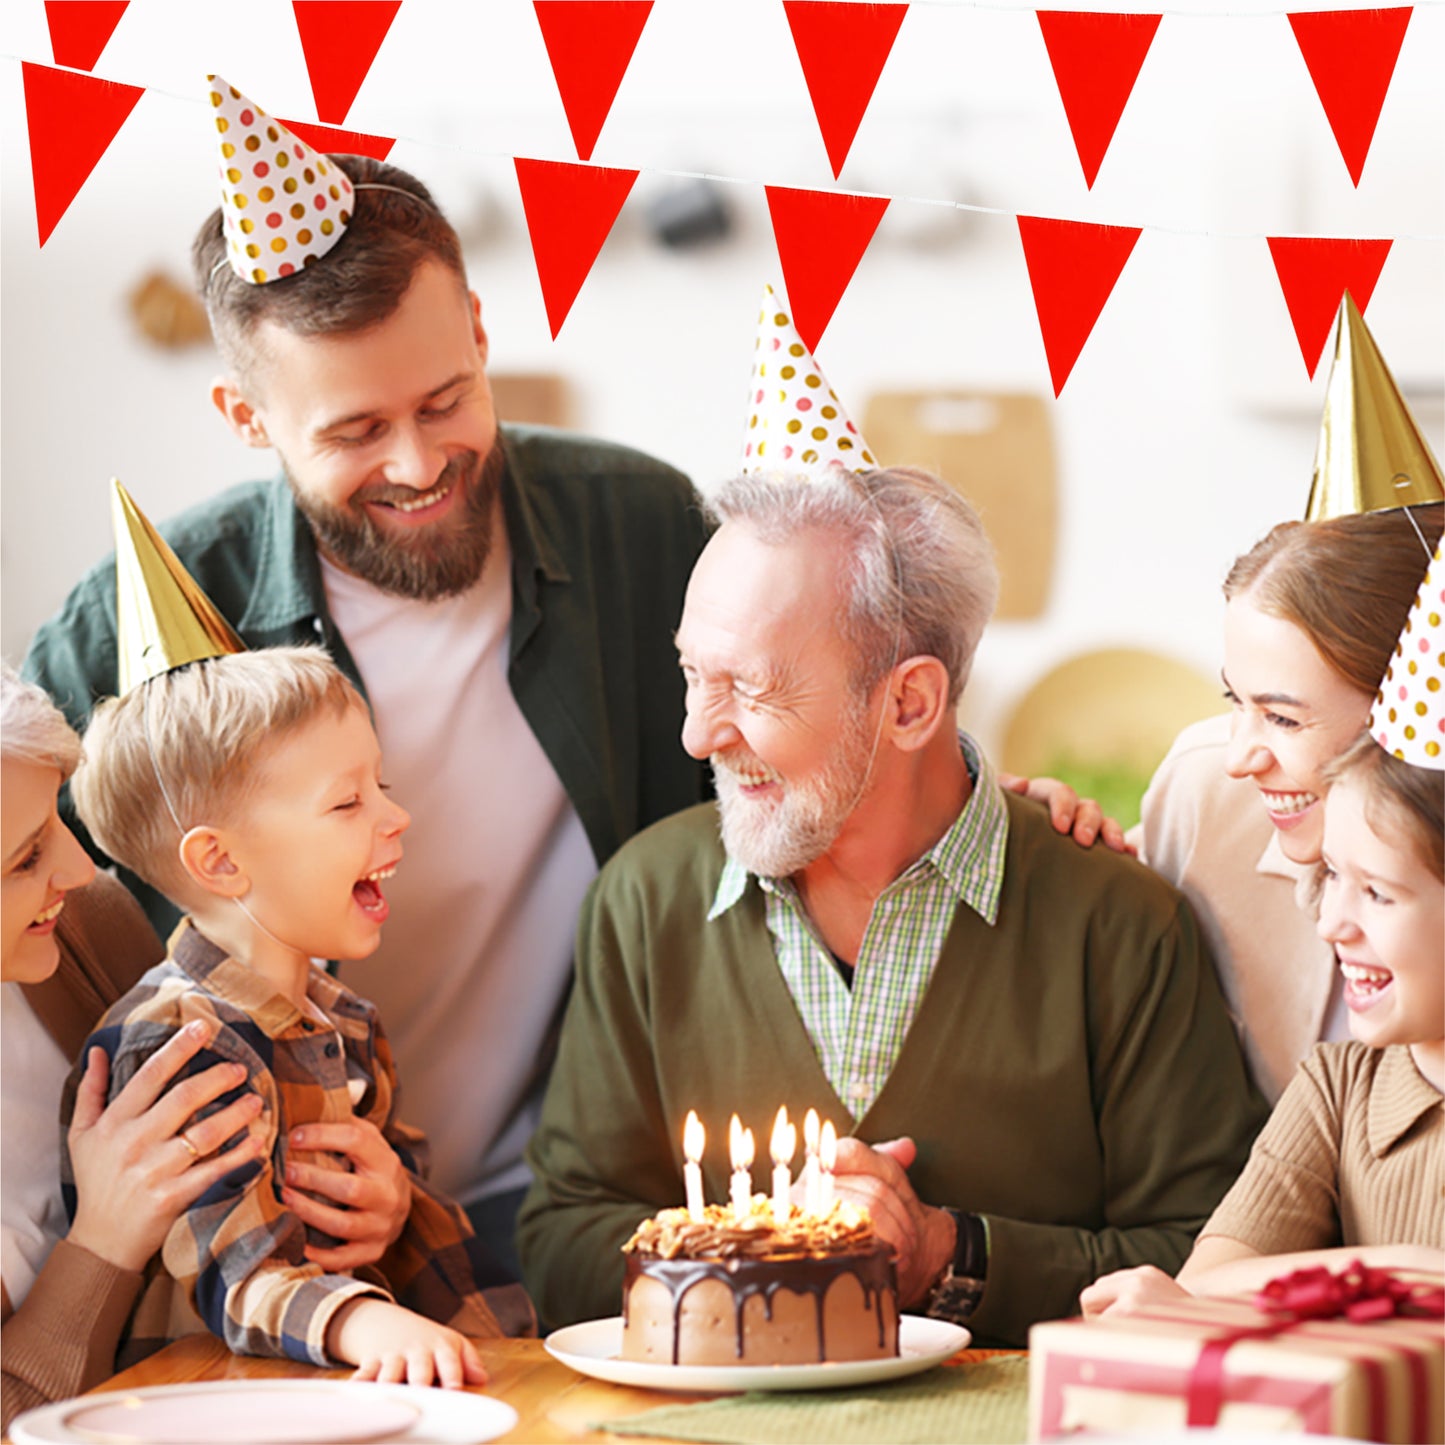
<point>694,1138</point>
<point>740,1145</point>
<point>810,1131</point>
<point>828,1147</point>
<point>784,1142</point>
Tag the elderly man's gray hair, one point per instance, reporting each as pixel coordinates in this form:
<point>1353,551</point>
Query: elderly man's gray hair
<point>921,578</point>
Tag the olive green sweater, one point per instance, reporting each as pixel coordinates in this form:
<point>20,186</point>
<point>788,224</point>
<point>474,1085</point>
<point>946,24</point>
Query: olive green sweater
<point>1071,1075</point>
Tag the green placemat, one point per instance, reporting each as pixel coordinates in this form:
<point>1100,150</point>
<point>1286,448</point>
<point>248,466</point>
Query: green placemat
<point>979,1403</point>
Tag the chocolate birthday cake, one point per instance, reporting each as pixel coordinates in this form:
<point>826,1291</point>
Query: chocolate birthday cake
<point>758,1291</point>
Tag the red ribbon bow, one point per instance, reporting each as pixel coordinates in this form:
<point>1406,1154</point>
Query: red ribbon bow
<point>1358,1294</point>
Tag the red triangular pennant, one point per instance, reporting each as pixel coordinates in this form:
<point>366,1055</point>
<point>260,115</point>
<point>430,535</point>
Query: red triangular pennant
<point>1351,56</point>
<point>590,43</point>
<point>330,138</point>
<point>72,118</point>
<point>1314,274</point>
<point>340,39</point>
<point>1073,266</point>
<point>570,209</point>
<point>821,237</point>
<point>843,47</point>
<point>1096,60</point>
<point>80,28</point>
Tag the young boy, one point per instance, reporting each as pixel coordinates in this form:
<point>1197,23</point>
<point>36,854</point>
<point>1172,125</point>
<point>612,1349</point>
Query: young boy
<point>247,788</point>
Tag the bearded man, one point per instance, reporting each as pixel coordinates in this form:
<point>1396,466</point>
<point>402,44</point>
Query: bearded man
<point>504,596</point>
<point>1023,1040</point>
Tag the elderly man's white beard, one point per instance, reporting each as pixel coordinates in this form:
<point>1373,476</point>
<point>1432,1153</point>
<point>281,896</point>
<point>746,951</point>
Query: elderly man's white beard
<point>777,837</point>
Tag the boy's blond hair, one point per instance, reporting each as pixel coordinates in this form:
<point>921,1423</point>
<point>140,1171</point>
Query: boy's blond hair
<point>211,724</point>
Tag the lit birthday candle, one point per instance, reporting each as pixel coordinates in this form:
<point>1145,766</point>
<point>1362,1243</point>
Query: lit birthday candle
<point>811,1179</point>
<point>694,1140</point>
<point>782,1147</point>
<point>740,1148</point>
<point>827,1160</point>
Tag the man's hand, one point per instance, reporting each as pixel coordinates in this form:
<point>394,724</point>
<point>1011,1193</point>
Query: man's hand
<point>1069,813</point>
<point>923,1237</point>
<point>374,1198</point>
<point>1127,1290</point>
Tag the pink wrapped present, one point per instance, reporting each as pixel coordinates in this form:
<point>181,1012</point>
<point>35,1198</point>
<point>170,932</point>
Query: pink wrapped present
<point>1360,1355</point>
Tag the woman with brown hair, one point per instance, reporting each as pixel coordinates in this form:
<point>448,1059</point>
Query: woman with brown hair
<point>1233,816</point>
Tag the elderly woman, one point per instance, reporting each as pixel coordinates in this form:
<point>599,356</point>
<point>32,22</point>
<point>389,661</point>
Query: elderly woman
<point>69,947</point>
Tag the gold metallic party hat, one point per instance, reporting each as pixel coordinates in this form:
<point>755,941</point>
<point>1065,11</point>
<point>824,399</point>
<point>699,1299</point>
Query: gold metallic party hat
<point>795,421</point>
<point>1372,455</point>
<point>162,619</point>
<point>1408,718</point>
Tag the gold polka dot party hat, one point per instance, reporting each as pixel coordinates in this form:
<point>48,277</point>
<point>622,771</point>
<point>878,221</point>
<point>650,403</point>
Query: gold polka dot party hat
<point>282,204</point>
<point>795,421</point>
<point>1408,718</point>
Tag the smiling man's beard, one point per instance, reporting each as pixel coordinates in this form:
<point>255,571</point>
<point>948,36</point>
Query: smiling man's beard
<point>779,838</point>
<point>429,563</point>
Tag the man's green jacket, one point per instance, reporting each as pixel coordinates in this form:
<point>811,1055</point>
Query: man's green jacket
<point>603,540</point>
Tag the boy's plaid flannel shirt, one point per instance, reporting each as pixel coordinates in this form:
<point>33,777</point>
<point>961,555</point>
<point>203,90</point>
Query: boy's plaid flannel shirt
<point>234,1262</point>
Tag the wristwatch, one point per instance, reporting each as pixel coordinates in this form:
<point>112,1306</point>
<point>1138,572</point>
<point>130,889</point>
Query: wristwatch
<point>959,1288</point>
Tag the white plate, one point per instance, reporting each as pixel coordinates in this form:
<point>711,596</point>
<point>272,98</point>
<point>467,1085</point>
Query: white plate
<point>267,1412</point>
<point>593,1348</point>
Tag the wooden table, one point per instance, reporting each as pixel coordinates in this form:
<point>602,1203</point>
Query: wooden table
<point>552,1402</point>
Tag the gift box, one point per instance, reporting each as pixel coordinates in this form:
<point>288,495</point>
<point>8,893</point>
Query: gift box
<point>1243,1364</point>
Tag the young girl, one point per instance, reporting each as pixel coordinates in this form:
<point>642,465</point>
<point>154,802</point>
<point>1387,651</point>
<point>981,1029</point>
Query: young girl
<point>1349,1164</point>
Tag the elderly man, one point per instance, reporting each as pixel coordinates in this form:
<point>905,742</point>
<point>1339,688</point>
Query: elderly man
<point>504,595</point>
<point>1024,1039</point>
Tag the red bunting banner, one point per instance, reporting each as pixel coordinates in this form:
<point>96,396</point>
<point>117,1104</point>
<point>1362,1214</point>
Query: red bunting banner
<point>821,237</point>
<point>340,39</point>
<point>71,118</point>
<point>843,48</point>
<point>590,45</point>
<point>1096,60</point>
<point>79,29</point>
<point>1351,56</point>
<point>1073,266</point>
<point>570,209</point>
<point>331,139</point>
<point>1314,274</point>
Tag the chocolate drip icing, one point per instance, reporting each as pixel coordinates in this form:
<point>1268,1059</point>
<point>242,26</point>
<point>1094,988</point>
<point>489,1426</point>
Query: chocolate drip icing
<point>812,1274</point>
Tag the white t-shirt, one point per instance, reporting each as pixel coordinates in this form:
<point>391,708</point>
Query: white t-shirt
<point>477,952</point>
<point>32,1073</point>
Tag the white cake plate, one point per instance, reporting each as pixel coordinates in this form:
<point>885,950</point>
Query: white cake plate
<point>593,1349</point>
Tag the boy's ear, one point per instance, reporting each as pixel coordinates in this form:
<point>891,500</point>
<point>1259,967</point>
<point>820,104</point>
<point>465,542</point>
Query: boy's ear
<point>206,857</point>
<point>239,412</point>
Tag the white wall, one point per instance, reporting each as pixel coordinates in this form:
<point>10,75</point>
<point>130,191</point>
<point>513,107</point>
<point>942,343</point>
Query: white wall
<point>1186,429</point>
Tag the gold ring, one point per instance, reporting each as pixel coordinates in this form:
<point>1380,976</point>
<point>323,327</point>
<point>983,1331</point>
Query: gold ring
<point>186,1140</point>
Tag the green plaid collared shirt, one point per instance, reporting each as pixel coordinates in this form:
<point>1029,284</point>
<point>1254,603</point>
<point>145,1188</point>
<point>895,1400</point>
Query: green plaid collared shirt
<point>859,1032</point>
